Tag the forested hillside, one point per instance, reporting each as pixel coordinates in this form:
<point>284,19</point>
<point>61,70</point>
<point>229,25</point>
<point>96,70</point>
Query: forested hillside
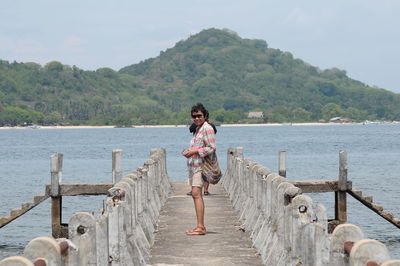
<point>229,74</point>
<point>58,93</point>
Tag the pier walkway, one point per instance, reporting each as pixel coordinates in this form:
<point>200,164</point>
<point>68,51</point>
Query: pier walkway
<point>225,244</point>
<point>253,217</point>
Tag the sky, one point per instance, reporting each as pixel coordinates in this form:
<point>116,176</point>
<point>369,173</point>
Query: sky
<point>361,37</point>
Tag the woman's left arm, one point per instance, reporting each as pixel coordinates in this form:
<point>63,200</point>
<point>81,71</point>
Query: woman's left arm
<point>209,142</point>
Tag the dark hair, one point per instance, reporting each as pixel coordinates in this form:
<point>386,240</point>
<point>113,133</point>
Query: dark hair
<point>193,126</point>
<point>196,108</point>
<point>199,107</point>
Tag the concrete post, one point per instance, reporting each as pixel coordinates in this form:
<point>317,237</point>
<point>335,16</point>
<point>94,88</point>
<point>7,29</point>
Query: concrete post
<point>321,236</point>
<point>127,184</point>
<point>82,232</point>
<point>341,234</point>
<point>16,261</point>
<point>113,210</point>
<point>302,212</point>
<point>228,177</point>
<point>56,199</point>
<point>137,245</point>
<point>391,263</point>
<point>134,178</point>
<point>282,163</point>
<point>43,247</point>
<point>116,165</point>
<point>238,185</point>
<point>340,196</point>
<point>143,221</point>
<point>56,174</point>
<point>151,183</point>
<point>166,183</point>
<point>139,240</point>
<point>367,250</point>
<point>239,152</point>
<point>102,240</point>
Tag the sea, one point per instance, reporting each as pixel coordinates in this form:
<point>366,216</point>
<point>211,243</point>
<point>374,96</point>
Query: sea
<point>312,153</point>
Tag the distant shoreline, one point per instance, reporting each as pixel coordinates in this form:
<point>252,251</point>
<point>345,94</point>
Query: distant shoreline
<point>169,126</point>
<point>288,124</point>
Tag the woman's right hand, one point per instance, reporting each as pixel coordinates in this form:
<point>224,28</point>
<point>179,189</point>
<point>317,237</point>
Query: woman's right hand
<point>184,152</point>
<point>190,153</point>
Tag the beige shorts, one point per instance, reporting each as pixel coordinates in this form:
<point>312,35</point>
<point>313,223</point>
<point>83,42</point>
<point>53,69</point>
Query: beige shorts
<point>196,180</point>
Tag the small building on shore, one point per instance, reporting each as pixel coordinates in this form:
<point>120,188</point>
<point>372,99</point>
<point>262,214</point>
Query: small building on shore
<point>255,115</point>
<point>339,119</point>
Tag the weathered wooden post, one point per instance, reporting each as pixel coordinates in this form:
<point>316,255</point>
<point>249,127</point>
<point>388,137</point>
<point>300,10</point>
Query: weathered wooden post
<point>56,199</point>
<point>116,166</point>
<point>340,196</point>
<point>282,163</point>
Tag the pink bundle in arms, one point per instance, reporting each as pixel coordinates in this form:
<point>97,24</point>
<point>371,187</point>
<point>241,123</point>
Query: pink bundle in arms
<point>211,171</point>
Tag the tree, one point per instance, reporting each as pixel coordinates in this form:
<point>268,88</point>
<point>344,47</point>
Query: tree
<point>15,116</point>
<point>301,115</point>
<point>54,66</point>
<point>107,72</point>
<point>355,114</point>
<point>331,110</point>
<point>53,118</point>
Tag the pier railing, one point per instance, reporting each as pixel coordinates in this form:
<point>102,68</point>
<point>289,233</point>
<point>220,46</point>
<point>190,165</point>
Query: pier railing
<point>120,234</point>
<point>285,226</point>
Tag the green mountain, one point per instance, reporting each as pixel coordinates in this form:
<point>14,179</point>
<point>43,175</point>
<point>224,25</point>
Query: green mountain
<point>229,74</point>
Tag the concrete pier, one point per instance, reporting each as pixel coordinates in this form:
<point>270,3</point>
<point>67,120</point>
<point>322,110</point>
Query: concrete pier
<point>253,217</point>
<point>225,244</point>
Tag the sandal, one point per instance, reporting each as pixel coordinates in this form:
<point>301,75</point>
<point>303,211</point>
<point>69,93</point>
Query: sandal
<point>198,231</point>
<point>206,193</point>
<point>189,193</point>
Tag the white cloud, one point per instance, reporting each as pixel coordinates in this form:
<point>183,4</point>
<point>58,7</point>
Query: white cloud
<point>161,44</point>
<point>297,18</point>
<point>5,45</point>
<point>23,46</point>
<point>311,24</point>
<point>28,46</point>
<point>74,44</point>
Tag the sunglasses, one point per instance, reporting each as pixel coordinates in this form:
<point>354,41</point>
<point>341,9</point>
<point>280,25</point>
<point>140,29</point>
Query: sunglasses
<point>197,116</point>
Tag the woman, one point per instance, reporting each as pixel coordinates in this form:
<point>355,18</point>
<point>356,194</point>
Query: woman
<point>201,145</point>
<point>192,129</point>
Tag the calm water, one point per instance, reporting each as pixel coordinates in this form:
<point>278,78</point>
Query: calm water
<point>312,153</point>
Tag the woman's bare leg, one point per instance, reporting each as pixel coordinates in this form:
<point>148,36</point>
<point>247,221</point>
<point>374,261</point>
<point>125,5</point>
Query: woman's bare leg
<point>206,185</point>
<point>198,206</point>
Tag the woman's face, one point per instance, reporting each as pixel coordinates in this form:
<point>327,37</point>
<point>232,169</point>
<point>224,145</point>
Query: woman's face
<point>198,118</point>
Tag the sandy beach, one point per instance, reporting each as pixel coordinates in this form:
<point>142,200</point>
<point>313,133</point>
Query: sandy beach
<point>54,127</point>
<point>287,124</point>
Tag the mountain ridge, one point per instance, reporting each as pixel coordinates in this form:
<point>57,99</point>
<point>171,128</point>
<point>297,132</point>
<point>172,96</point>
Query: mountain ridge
<point>229,74</point>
